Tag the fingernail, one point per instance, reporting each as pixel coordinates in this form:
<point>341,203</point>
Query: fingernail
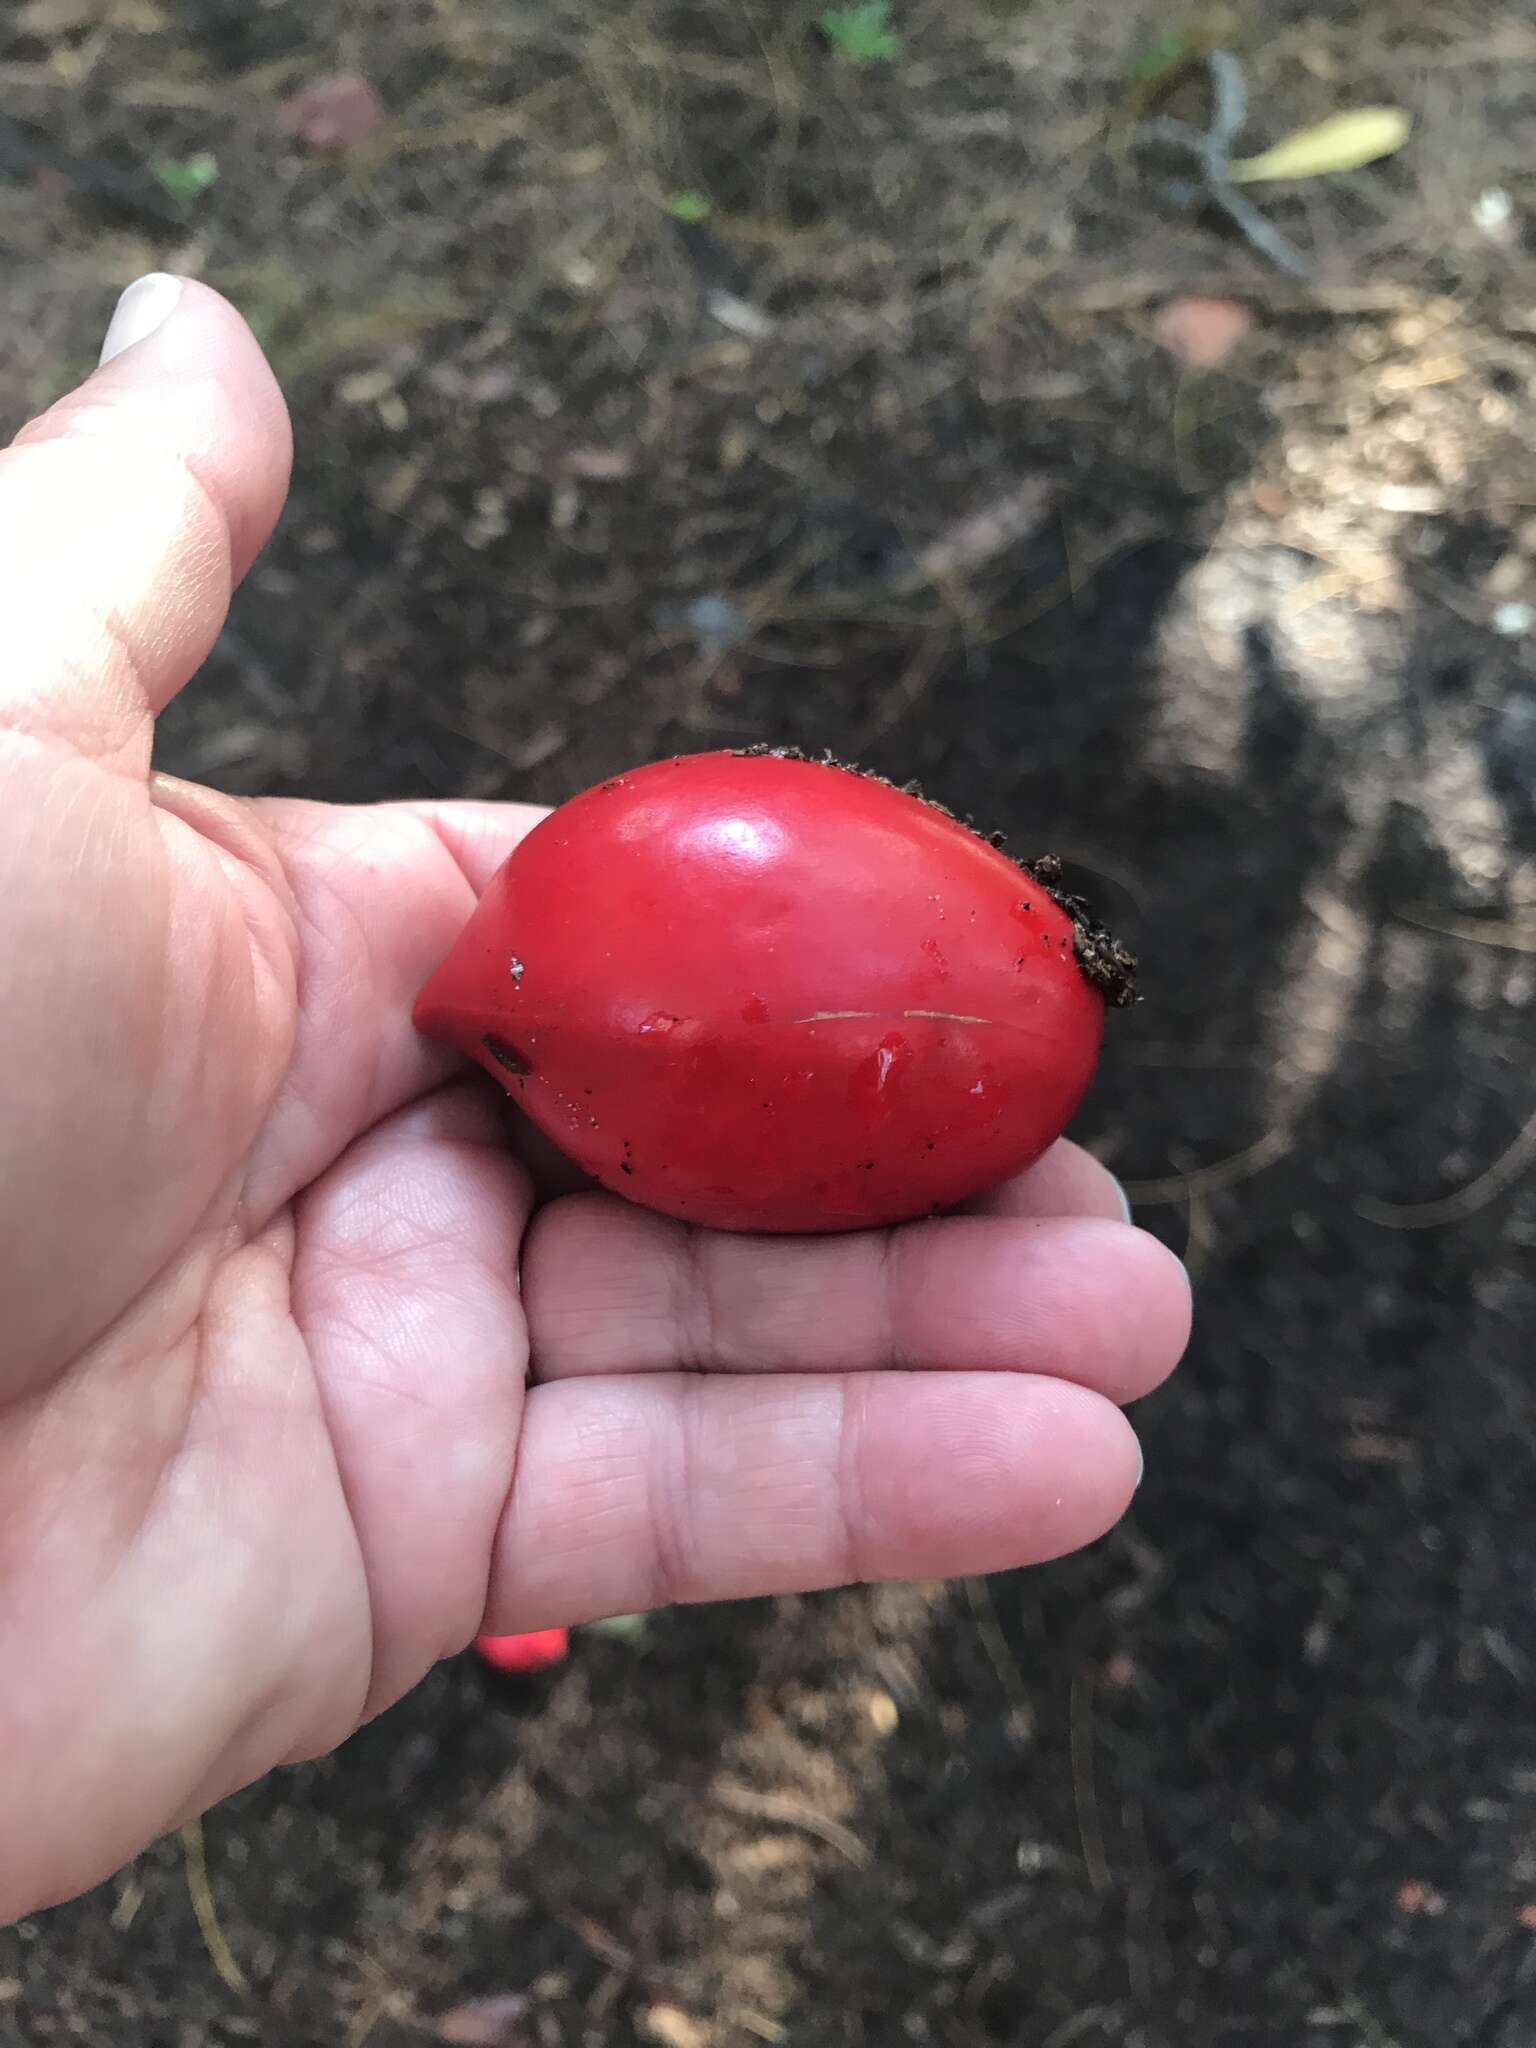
<point>143,307</point>
<point>1125,1200</point>
<point>1141,1466</point>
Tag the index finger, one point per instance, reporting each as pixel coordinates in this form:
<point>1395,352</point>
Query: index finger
<point>478,835</point>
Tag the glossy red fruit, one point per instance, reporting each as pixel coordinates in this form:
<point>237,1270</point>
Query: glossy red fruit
<point>765,993</point>
<point>536,1651</point>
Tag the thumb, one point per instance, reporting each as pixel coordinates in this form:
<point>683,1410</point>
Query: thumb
<point>142,1030</point>
<point>128,512</point>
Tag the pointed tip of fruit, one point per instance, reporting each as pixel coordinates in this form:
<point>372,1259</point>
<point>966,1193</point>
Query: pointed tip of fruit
<point>430,1012</point>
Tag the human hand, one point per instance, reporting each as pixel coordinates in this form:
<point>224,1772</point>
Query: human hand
<point>300,1387</point>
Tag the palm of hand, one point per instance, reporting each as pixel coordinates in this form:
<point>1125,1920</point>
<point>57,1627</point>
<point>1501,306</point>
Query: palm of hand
<point>268,1446</point>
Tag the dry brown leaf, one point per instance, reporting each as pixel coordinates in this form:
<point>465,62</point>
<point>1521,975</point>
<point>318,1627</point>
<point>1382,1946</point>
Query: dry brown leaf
<point>1415,1897</point>
<point>332,113</point>
<point>1202,332</point>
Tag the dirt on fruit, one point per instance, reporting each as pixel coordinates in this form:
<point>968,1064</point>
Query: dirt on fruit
<point>672,376</point>
<point>1108,964</point>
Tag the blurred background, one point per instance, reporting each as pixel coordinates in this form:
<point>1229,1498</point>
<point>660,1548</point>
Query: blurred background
<point>671,374</point>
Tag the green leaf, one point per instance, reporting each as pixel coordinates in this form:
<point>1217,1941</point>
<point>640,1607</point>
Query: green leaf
<point>1342,143</point>
<point>689,205</point>
<point>186,178</point>
<point>862,34</point>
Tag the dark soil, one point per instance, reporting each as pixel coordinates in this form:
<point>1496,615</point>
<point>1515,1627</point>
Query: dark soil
<point>885,458</point>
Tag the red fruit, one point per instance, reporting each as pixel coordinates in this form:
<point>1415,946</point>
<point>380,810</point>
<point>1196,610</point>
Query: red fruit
<point>765,993</point>
<point>535,1651</point>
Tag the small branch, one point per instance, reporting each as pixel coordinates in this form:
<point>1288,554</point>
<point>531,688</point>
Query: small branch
<point>1211,152</point>
<point>1210,1180</point>
<point>783,1809</point>
<point>220,1954</point>
<point>1477,1194</point>
<point>1085,1795</point>
<point>1260,232</point>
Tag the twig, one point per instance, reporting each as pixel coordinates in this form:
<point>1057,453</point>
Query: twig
<point>785,1810</point>
<point>360,2032</point>
<point>1201,1238</point>
<point>995,1643</point>
<point>915,680</point>
<point>220,1954</point>
<point>1211,151</point>
<point>1212,1179</point>
<point>1477,1194</point>
<point>1514,937</point>
<point>129,1899</point>
<point>757,2024</point>
<point>983,534</point>
<point>596,1939</point>
<point>1085,1794</point>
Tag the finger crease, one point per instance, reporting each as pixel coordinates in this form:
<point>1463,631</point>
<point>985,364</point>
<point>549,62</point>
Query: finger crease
<point>847,1482</point>
<point>892,1350</point>
<point>698,1318</point>
<point>669,1494</point>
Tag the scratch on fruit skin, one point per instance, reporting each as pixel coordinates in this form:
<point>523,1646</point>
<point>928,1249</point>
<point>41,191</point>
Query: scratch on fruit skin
<point>839,1016</point>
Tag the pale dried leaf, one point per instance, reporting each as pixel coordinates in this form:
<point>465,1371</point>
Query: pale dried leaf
<point>740,315</point>
<point>45,18</point>
<point>1341,143</point>
<point>599,465</point>
<point>671,2027</point>
<point>494,2022</point>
